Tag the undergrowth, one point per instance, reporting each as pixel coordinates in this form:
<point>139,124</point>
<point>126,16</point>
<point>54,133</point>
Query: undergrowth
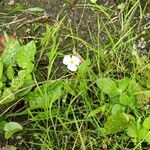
<point>102,105</point>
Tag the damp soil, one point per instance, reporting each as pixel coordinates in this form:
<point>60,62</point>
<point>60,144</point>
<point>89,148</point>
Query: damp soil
<point>81,19</point>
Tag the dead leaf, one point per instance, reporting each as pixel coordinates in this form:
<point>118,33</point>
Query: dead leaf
<point>11,2</point>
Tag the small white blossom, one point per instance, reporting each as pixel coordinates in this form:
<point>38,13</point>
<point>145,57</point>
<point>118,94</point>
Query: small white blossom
<point>72,62</point>
<point>134,53</point>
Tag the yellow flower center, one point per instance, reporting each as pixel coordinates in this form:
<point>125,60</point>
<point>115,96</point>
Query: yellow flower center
<point>71,61</point>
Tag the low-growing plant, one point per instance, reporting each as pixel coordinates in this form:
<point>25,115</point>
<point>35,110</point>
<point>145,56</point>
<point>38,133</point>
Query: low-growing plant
<point>16,66</point>
<point>78,92</point>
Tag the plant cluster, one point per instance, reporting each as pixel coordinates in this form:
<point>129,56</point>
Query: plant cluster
<point>60,91</point>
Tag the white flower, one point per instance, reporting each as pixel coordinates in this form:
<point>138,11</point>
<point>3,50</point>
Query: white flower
<point>71,62</point>
<point>134,53</point>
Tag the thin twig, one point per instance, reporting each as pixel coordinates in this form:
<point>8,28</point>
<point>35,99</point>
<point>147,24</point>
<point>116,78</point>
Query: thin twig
<point>45,17</point>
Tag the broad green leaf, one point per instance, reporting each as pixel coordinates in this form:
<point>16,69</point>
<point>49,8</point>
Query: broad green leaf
<point>116,123</point>
<point>93,1</point>
<point>143,97</point>
<point>30,67</point>
<point>22,62</point>
<point>148,82</point>
<point>16,9</point>
<point>56,94</point>
<point>69,89</point>
<point>108,86</point>
<point>4,79</point>
<point>11,128</point>
<point>133,87</point>
<point>38,100</point>
<point>123,84</point>
<point>10,147</point>
<point>121,6</point>
<point>147,137</point>
<point>16,83</point>
<point>30,50</point>
<point>28,81</point>
<point>1,84</point>
<point>146,123</point>
<point>25,64</point>
<point>45,95</point>
<point>8,96</point>
<point>132,131</point>
<point>10,72</point>
<point>25,56</point>
<point>144,134</point>
<point>10,52</point>
<point>1,69</point>
<point>117,108</point>
<point>127,100</point>
<point>2,124</point>
<point>22,74</point>
<point>34,9</point>
<point>94,112</point>
<point>84,67</point>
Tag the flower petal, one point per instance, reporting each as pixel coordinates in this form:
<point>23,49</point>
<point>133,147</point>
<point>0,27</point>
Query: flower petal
<point>76,60</point>
<point>66,59</point>
<point>134,53</point>
<point>72,67</point>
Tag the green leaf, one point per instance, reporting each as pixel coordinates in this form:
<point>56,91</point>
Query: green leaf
<point>8,96</point>
<point>45,95</point>
<point>10,147</point>
<point>22,74</point>
<point>23,63</point>
<point>30,50</point>
<point>143,97</point>
<point>16,83</point>
<point>132,131</point>
<point>116,123</point>
<point>117,108</point>
<point>69,89</point>
<point>10,72</point>
<point>133,87</point>
<point>148,82</point>
<point>123,84</point>
<point>121,6</point>
<point>127,100</point>
<point>94,112</point>
<point>93,1</point>
<point>108,86</point>
<point>144,134</point>
<point>2,124</point>
<point>1,69</point>
<point>9,54</point>
<point>16,9</point>
<point>35,9</point>
<point>37,101</point>
<point>84,67</point>
<point>56,94</point>
<point>146,123</point>
<point>25,56</point>
<point>1,84</point>
<point>11,128</point>
<point>28,81</point>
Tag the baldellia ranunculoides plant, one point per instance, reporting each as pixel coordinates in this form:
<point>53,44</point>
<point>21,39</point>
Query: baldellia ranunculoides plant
<point>125,95</point>
<point>16,66</point>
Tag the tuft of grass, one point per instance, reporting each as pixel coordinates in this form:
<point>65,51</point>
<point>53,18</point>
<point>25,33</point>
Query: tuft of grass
<point>105,104</point>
